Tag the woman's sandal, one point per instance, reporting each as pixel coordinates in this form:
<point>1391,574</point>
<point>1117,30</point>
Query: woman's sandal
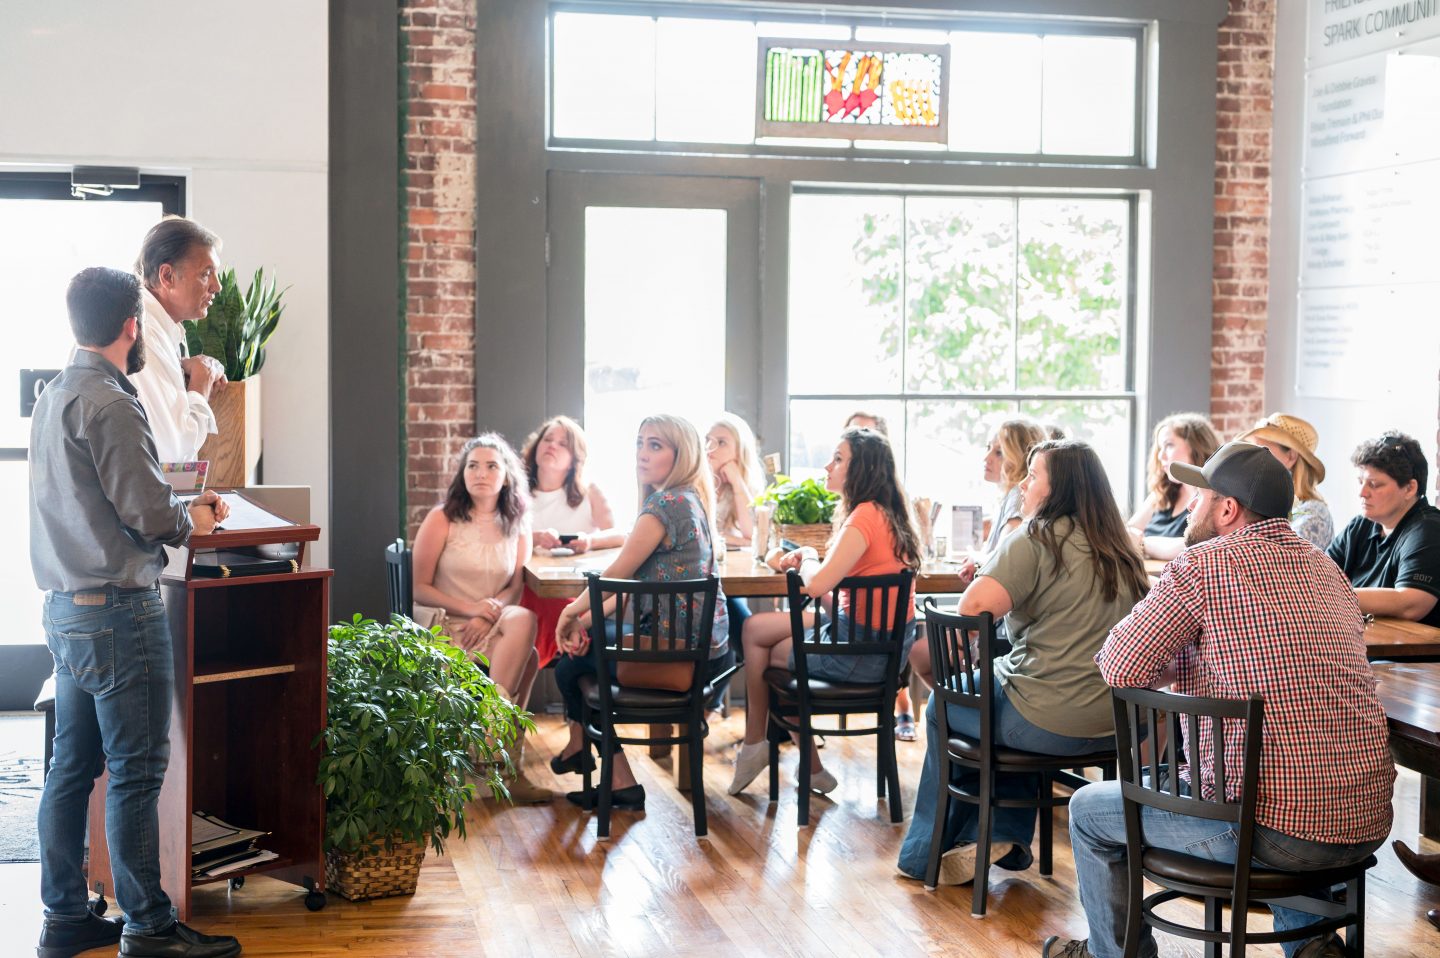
<point>905,727</point>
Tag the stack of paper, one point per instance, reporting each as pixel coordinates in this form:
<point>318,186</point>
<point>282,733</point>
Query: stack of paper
<point>217,847</point>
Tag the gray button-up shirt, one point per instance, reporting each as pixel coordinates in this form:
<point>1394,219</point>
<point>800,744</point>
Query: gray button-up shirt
<point>100,511</point>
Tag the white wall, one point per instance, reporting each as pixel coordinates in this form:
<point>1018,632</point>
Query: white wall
<point>234,96</point>
<point>1406,401</point>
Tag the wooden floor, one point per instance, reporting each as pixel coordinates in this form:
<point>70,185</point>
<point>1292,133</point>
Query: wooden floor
<point>534,881</point>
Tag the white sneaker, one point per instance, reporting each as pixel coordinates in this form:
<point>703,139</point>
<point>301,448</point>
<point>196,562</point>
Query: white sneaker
<point>957,866</point>
<point>750,761</point>
<point>823,782</point>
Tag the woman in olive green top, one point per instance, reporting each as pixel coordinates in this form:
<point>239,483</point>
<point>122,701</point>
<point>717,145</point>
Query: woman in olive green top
<point>1062,580</point>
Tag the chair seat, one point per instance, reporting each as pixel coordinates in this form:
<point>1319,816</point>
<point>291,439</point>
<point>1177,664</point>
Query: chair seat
<point>1180,867</point>
<point>784,682</point>
<point>45,701</point>
<point>969,749</point>
<point>625,697</point>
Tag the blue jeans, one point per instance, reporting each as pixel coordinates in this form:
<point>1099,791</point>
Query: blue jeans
<point>114,679</point>
<point>962,826</point>
<point>1097,837</point>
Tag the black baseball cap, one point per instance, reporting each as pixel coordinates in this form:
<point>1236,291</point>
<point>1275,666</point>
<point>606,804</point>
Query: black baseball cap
<point>1245,472</point>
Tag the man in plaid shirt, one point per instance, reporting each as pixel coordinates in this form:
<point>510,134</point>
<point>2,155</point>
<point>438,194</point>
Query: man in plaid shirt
<point>1250,608</point>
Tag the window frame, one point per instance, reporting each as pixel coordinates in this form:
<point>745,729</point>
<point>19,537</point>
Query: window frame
<point>1136,31</point>
<point>1129,329</point>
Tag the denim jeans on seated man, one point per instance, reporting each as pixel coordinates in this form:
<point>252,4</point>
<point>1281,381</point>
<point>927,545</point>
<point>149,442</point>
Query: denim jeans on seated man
<point>1097,837</point>
<point>114,671</point>
<point>962,826</point>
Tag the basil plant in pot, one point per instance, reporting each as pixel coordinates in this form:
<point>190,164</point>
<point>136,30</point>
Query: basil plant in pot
<point>804,510</point>
<point>414,728</point>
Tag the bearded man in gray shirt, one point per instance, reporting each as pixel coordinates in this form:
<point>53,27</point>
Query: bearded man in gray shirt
<point>100,516</point>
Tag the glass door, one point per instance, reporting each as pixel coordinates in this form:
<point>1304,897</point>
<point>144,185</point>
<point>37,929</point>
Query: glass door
<point>46,237</point>
<point>653,295</point>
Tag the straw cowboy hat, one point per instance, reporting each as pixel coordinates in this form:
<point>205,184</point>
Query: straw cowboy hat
<point>1292,432</point>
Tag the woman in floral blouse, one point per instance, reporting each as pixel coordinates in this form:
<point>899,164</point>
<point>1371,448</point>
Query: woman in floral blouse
<point>672,539</point>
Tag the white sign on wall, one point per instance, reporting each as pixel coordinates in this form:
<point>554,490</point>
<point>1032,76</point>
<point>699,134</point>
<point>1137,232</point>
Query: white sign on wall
<point>1367,341</point>
<point>1372,228</point>
<point>1340,29</point>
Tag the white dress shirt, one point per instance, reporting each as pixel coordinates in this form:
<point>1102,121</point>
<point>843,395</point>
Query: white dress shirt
<point>180,419</point>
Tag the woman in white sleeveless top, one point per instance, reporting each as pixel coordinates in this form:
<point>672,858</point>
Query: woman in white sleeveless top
<point>562,503</point>
<point>469,564</point>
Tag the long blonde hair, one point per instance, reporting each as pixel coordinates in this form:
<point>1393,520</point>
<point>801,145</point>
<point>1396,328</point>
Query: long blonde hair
<point>1017,437</point>
<point>747,459</point>
<point>690,468</point>
<point>1198,434</point>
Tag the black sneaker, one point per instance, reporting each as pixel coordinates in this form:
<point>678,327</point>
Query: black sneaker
<point>178,941</point>
<point>62,939</point>
<point>1017,859</point>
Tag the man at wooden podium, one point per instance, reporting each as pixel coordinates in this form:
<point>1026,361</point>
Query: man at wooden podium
<point>100,516</point>
<point>180,265</point>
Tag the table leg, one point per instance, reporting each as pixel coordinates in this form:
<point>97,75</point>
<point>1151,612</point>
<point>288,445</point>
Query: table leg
<point>680,758</point>
<point>1430,807</point>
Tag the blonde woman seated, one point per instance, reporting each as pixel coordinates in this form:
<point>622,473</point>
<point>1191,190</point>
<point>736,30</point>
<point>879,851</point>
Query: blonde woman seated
<point>1292,440</point>
<point>877,537</point>
<point>1006,459</point>
<point>565,511</point>
<point>672,539</point>
<point>734,461</point>
<point>1158,526</point>
<point>468,565</point>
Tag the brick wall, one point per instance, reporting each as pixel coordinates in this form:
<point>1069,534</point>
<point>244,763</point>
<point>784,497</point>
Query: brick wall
<point>439,143</point>
<point>1242,214</point>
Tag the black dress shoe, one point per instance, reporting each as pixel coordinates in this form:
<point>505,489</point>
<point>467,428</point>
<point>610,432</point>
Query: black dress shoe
<point>579,763</point>
<point>630,799</point>
<point>62,939</point>
<point>1017,859</point>
<point>178,941</point>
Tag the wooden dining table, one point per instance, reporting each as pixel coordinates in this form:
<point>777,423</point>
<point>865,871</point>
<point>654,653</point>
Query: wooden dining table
<point>1410,693</point>
<point>562,577</point>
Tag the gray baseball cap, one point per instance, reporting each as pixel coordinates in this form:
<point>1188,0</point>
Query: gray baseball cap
<point>1245,472</point>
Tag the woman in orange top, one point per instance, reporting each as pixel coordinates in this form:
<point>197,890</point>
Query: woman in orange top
<point>876,538</point>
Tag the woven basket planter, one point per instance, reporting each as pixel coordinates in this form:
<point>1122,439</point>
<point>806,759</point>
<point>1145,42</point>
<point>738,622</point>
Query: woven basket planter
<point>814,534</point>
<point>362,877</point>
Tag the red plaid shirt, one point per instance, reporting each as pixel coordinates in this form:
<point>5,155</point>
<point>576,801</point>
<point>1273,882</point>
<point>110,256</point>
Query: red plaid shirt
<point>1262,611</point>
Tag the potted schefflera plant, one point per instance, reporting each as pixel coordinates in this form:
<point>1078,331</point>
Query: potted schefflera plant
<point>235,331</point>
<point>804,511</point>
<point>415,727</point>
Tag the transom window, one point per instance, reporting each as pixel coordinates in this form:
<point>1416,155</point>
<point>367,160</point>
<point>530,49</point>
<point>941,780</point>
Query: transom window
<point>1014,89</point>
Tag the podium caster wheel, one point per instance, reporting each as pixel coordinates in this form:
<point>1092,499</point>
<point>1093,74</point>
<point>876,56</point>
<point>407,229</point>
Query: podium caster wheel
<point>237,883</point>
<point>99,906</point>
<point>315,900</point>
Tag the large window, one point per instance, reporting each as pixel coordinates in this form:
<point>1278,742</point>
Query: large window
<point>948,314</point>
<point>1015,89</point>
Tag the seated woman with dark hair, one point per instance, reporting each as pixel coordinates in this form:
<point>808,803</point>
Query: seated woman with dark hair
<point>1062,580</point>
<point>877,537</point>
<point>469,563</point>
<point>1391,551</point>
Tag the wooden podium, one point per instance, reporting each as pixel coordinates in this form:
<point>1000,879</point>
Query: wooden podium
<point>248,704</point>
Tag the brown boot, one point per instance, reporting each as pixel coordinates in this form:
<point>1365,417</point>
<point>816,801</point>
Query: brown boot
<point>522,790</point>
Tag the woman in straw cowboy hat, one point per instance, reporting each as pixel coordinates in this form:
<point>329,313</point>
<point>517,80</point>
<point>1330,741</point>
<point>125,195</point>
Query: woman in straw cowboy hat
<point>1292,440</point>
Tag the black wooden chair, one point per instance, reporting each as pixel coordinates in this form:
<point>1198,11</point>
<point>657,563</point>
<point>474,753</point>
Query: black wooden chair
<point>608,703</point>
<point>400,578</point>
<point>796,698</point>
<point>1156,784</point>
<point>964,675</point>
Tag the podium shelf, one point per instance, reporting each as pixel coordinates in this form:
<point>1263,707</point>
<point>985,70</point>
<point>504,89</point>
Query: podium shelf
<point>220,672</point>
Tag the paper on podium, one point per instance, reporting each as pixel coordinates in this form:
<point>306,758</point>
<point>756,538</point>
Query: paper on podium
<point>245,514</point>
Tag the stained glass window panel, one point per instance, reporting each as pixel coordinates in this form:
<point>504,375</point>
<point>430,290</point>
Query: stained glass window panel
<point>604,76</point>
<point>873,92</point>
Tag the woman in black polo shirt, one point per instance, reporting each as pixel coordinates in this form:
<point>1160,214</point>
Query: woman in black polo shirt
<point>1391,551</point>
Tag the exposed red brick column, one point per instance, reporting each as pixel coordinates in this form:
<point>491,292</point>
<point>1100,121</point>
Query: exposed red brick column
<point>440,205</point>
<point>1244,92</point>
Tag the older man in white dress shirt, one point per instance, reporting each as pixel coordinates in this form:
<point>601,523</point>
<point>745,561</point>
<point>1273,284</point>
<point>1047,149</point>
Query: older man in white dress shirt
<point>180,265</point>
